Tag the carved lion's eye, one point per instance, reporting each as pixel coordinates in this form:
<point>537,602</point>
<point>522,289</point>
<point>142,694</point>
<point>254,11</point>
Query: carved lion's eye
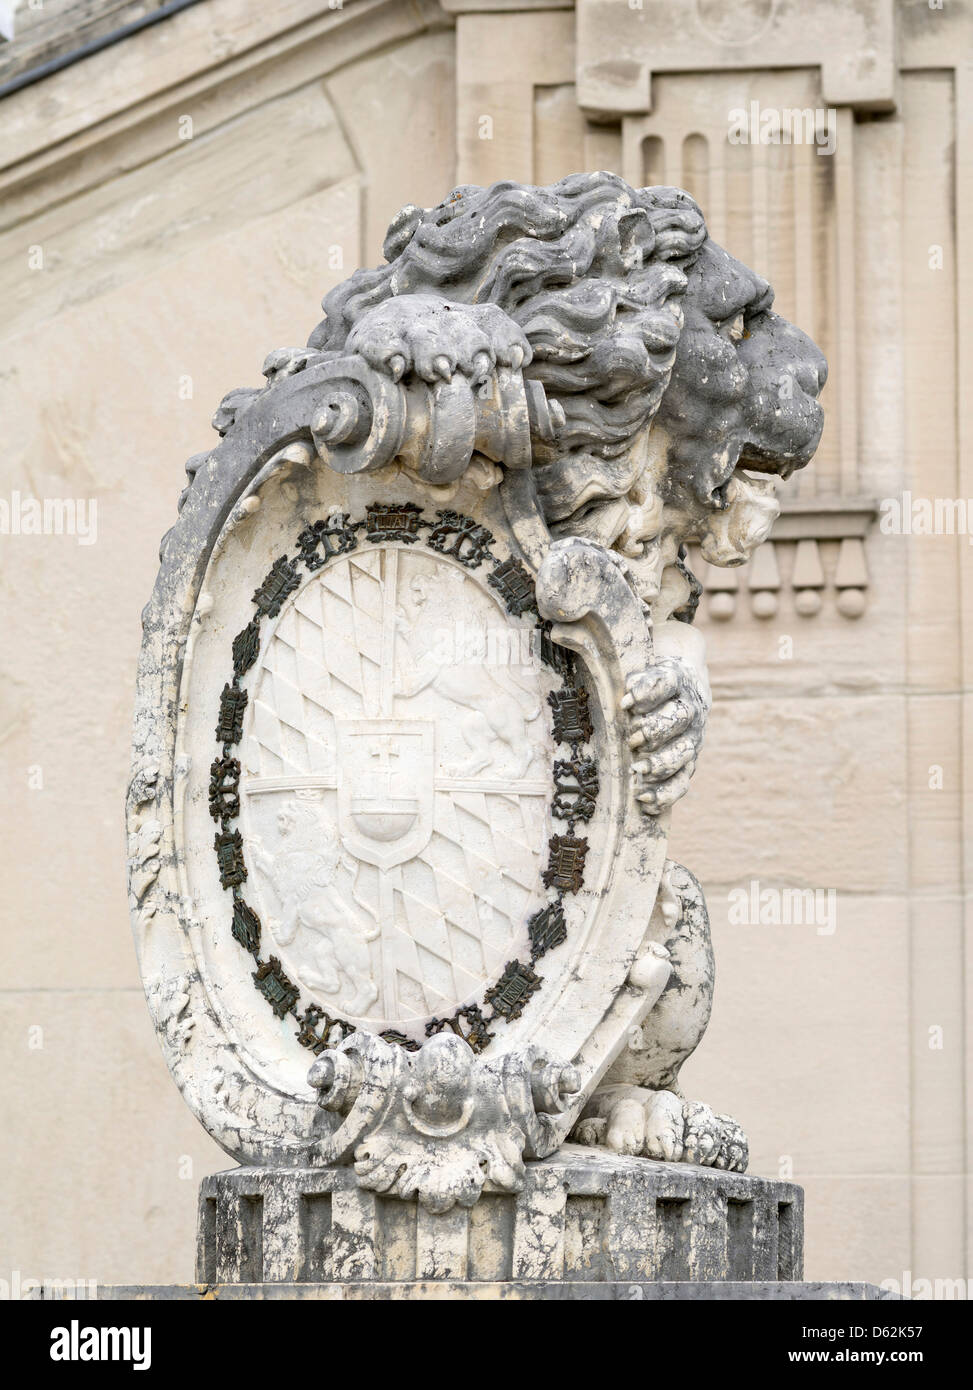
<point>735,327</point>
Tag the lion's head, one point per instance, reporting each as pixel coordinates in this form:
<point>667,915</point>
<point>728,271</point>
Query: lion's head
<point>681,390</point>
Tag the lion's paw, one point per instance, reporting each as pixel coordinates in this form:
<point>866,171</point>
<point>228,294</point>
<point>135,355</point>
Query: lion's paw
<point>663,1126</point>
<point>625,1132</point>
<point>432,337</point>
<point>714,1140</point>
<point>590,1132</point>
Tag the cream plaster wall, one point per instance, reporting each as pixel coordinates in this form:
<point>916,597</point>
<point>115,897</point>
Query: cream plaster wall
<point>171,266</point>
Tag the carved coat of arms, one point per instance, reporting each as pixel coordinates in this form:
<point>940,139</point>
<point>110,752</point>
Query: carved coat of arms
<point>419,686</point>
<point>397,787</point>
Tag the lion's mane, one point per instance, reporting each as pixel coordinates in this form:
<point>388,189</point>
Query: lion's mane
<point>591,269</point>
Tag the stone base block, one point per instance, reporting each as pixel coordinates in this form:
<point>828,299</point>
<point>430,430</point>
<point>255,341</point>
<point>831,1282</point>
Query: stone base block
<point>468,1291</point>
<point>584,1216</point>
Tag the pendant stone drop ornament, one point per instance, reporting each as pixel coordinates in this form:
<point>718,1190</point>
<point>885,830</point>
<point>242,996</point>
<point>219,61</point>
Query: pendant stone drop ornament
<point>417,691</point>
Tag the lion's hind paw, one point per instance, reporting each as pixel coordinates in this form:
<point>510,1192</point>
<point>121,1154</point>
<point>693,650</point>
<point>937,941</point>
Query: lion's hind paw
<point>663,1126</point>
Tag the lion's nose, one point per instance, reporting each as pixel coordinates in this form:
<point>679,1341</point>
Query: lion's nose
<point>812,367</point>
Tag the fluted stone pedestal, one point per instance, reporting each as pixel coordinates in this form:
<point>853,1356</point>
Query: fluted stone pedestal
<point>583,1217</point>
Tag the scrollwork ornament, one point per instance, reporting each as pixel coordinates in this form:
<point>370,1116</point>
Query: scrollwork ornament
<point>437,1123</point>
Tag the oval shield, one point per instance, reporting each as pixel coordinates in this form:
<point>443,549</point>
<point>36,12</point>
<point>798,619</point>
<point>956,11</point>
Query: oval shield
<point>382,799</point>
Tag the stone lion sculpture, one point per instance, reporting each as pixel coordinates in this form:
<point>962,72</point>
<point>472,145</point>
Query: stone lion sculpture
<point>676,397</point>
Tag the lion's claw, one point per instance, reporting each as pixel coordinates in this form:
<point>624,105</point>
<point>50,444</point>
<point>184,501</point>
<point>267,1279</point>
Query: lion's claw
<point>433,338</point>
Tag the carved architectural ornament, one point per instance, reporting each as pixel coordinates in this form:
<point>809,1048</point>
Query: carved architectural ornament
<point>419,687</point>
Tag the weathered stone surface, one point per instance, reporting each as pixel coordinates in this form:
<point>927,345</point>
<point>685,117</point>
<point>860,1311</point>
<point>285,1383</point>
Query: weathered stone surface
<point>213,312</point>
<point>553,1290</point>
<point>854,44</point>
<point>568,452</point>
<point>583,1216</point>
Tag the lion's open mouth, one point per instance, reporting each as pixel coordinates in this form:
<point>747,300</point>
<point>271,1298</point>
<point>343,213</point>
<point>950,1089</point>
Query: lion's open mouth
<point>761,482</point>
<point>760,468</point>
